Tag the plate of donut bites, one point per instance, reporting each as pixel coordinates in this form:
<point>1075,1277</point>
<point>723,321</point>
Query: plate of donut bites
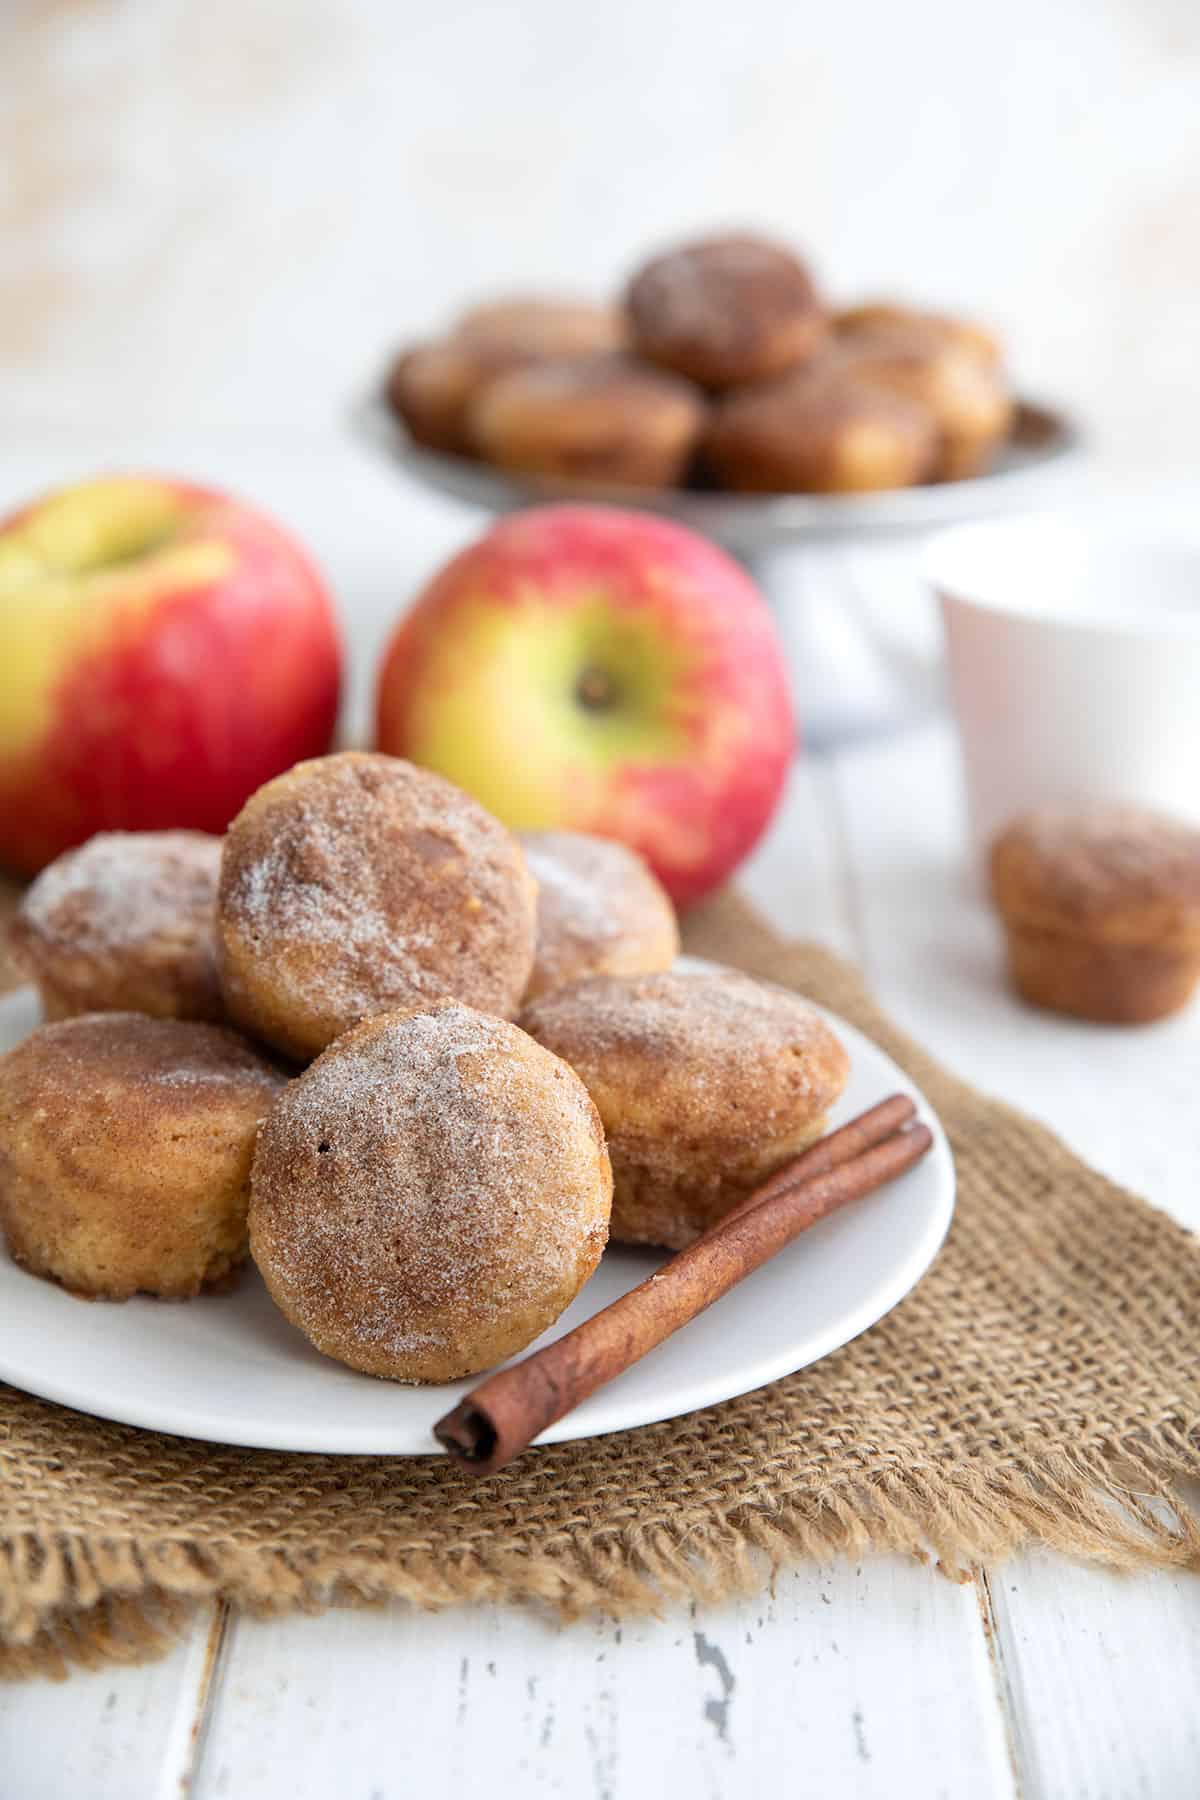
<point>331,1114</point>
<point>719,384</point>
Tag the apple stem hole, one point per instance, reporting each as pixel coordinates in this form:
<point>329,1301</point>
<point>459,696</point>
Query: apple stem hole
<point>596,689</point>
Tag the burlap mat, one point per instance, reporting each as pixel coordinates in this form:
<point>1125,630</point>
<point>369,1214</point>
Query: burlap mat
<point>1042,1383</point>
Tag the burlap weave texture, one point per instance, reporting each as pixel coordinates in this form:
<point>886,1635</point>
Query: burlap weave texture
<point>1042,1383</point>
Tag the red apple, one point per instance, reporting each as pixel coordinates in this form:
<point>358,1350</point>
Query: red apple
<point>602,671</point>
<point>164,650</point>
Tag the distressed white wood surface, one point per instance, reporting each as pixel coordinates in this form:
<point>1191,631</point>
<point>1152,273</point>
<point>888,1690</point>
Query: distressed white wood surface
<point>1038,1680</point>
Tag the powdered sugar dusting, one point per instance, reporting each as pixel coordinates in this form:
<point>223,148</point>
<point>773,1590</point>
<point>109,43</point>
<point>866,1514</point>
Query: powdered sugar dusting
<point>597,902</point>
<point>699,1046</point>
<point>364,883</point>
<point>122,890</point>
<point>423,1176</point>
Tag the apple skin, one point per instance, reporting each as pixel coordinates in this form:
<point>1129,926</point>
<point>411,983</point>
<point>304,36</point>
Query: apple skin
<point>164,650</point>
<point>684,756</point>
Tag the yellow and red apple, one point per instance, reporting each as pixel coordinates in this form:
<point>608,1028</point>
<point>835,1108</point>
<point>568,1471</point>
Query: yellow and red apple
<point>164,650</point>
<point>604,671</point>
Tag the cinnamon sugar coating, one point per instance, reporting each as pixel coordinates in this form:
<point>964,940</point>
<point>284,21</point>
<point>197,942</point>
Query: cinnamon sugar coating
<point>538,327</point>
<point>725,310</point>
<point>820,432</point>
<point>126,923</point>
<point>875,315</point>
<point>125,1149</point>
<point>921,362</point>
<point>357,883</point>
<point>600,911</point>
<point>706,1082</point>
<point>431,386</point>
<point>430,1194</point>
<point>1101,908</point>
<point>589,418</point>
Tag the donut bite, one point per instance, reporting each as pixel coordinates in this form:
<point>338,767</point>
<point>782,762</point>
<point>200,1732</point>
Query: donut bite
<point>818,432</point>
<point>725,310</point>
<point>925,363</point>
<point>126,923</point>
<point>870,317</point>
<point>590,418</point>
<point>432,386</point>
<point>125,1151</point>
<point>706,1083</point>
<point>600,911</point>
<point>357,884</point>
<point>430,1194</point>
<point>1101,911</point>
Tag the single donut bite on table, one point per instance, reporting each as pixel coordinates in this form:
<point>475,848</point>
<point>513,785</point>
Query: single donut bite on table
<point>126,923</point>
<point>967,397</point>
<point>600,911</point>
<point>358,883</point>
<point>1101,910</point>
<point>725,310</point>
<point>872,316</point>
<point>531,327</point>
<point>821,433</point>
<point>706,1083</point>
<point>430,1194</point>
<point>125,1150</point>
<point>591,418</point>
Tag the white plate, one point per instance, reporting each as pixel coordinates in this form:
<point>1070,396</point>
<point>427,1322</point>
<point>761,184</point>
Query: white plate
<point>230,1368</point>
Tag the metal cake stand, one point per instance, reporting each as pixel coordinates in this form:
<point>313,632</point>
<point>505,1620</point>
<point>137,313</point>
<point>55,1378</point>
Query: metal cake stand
<point>853,674</point>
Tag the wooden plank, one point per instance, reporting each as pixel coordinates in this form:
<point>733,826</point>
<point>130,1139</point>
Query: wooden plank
<point>842,1673</point>
<point>118,1734</point>
<point>1104,1674</point>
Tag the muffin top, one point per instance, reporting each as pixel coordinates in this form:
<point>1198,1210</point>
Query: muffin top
<point>1119,874</point>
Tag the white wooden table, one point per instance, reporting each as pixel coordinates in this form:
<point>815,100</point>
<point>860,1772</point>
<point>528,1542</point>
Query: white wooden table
<point>1037,1679</point>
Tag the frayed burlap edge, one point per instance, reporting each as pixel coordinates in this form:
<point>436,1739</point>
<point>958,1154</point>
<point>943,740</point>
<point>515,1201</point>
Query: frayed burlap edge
<point>71,1601</point>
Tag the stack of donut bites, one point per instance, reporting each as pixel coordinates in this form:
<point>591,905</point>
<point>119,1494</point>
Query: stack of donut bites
<point>721,366</point>
<point>420,1069</point>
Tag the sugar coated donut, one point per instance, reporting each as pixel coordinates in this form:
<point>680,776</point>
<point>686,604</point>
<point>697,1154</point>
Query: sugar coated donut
<point>600,911</point>
<point>125,1148</point>
<point>706,1082</point>
<point>726,310</point>
<point>430,1194</point>
<point>126,923</point>
<point>358,883</point>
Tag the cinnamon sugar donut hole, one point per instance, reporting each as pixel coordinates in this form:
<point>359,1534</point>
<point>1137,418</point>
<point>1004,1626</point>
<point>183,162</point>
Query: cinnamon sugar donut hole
<point>535,328</point>
<point>430,1194</point>
<point>1101,910</point>
<point>871,316</point>
<point>967,397</point>
<point>125,1150</point>
<point>725,310</point>
<point>600,911</point>
<point>431,388</point>
<point>358,883</point>
<point>818,432</point>
<point>126,923</point>
<point>590,418</point>
<point>706,1083</point>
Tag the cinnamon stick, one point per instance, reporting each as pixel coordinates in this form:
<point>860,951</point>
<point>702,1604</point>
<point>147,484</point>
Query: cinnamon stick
<point>503,1415</point>
<point>831,1151</point>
